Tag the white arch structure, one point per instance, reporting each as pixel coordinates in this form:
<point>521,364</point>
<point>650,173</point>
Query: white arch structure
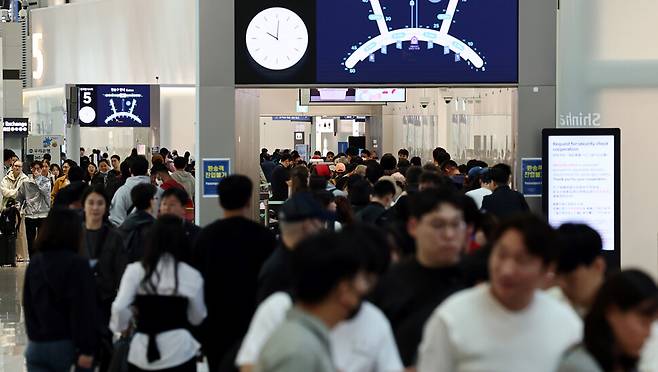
<point>430,36</point>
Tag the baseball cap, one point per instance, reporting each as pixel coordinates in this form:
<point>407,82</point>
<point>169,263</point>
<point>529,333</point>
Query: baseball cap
<point>323,170</point>
<point>302,206</point>
<point>474,172</point>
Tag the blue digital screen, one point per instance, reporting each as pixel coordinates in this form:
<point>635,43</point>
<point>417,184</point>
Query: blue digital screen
<point>417,41</point>
<point>114,105</point>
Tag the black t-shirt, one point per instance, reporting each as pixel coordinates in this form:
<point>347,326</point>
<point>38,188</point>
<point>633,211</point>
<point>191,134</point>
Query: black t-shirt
<point>373,214</point>
<point>408,294</point>
<point>229,254</point>
<point>276,274</point>
<point>280,175</point>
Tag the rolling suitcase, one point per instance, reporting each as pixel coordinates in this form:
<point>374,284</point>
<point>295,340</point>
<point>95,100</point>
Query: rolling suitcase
<point>8,234</point>
<point>7,251</point>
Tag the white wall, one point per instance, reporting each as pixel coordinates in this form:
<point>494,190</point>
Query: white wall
<point>487,112</point>
<point>607,64</point>
<point>279,134</point>
<point>121,42</point>
<point>117,42</point>
<point>177,110</point>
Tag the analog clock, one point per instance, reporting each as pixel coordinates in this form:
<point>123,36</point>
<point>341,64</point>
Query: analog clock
<point>277,38</point>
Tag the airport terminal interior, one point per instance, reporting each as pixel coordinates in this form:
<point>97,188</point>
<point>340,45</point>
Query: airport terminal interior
<point>328,186</point>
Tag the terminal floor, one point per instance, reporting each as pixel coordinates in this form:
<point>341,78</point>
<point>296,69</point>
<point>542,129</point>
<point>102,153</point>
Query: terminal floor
<point>13,339</point>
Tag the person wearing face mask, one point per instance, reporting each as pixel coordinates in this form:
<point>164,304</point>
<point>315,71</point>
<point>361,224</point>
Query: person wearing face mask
<point>103,172</point>
<point>329,282</point>
<point>413,288</point>
<point>617,326</point>
<point>508,324</point>
<point>300,217</point>
<point>364,342</point>
<point>101,245</point>
<point>35,193</point>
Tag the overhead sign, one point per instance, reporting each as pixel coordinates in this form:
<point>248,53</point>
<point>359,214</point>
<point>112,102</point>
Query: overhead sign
<point>531,169</point>
<point>293,118</point>
<point>345,42</point>
<point>353,95</point>
<point>214,171</point>
<point>114,105</point>
<point>15,126</point>
<point>582,180</point>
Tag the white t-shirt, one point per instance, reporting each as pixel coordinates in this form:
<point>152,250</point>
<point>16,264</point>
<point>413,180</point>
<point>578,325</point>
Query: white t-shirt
<point>362,344</point>
<point>478,195</point>
<point>177,346</point>
<point>471,331</point>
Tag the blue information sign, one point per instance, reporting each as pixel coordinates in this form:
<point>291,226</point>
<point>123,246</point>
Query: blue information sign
<point>531,169</point>
<point>214,171</point>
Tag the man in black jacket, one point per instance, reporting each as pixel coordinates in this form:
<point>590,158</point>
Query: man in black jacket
<point>503,202</point>
<point>134,230</point>
<point>382,197</point>
<point>280,177</point>
<point>229,253</point>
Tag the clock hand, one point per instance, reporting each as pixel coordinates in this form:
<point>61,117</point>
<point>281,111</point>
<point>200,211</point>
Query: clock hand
<point>277,29</point>
<point>276,37</point>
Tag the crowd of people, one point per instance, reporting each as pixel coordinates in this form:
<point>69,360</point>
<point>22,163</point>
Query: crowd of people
<point>373,265</point>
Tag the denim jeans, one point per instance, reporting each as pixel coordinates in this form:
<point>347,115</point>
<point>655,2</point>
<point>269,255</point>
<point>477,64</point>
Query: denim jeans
<point>53,356</point>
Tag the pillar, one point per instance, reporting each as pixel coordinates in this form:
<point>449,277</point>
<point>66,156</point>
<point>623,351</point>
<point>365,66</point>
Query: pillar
<point>226,127</point>
<point>537,77</point>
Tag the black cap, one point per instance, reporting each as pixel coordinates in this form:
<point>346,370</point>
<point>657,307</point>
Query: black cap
<point>302,206</point>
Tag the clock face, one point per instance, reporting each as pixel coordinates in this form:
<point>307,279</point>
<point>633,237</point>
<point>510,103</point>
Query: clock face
<point>277,38</point>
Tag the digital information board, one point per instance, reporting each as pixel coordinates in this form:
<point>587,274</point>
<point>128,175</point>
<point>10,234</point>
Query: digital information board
<point>342,42</point>
<point>114,105</point>
<point>582,180</point>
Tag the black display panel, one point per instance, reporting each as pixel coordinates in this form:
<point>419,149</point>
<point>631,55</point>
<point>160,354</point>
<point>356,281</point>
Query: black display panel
<point>376,42</point>
<point>582,182</point>
<point>114,105</point>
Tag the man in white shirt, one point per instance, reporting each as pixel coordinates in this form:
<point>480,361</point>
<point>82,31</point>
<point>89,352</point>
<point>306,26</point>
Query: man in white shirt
<point>480,175</point>
<point>509,324</point>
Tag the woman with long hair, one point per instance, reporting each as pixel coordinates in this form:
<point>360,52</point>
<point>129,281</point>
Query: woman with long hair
<point>161,281</point>
<point>59,298</point>
<point>102,246</point>
<point>299,180</point>
<point>617,326</point>
<point>90,173</point>
<point>63,179</point>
